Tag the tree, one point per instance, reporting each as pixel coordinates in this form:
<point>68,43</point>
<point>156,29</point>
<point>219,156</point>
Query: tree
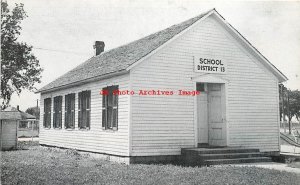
<point>20,69</point>
<point>289,104</point>
<point>282,101</point>
<point>294,104</point>
<point>34,111</point>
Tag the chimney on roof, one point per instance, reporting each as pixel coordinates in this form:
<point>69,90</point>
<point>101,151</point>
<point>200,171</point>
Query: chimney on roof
<point>99,47</point>
<point>18,108</point>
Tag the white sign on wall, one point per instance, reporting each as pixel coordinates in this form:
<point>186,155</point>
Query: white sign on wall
<point>209,65</point>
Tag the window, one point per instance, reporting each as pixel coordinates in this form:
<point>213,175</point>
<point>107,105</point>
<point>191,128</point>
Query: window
<point>57,112</point>
<point>200,87</point>
<point>70,111</point>
<point>110,108</point>
<point>23,124</point>
<point>84,109</point>
<point>47,113</point>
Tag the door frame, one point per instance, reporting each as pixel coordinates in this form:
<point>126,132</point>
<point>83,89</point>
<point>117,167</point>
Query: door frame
<point>210,78</point>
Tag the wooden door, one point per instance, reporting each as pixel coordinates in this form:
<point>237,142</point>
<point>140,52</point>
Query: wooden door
<point>216,115</point>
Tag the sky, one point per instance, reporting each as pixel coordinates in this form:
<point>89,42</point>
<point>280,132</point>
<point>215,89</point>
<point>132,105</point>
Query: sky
<point>62,32</point>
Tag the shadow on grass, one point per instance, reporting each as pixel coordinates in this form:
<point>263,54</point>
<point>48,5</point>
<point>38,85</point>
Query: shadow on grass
<point>25,145</point>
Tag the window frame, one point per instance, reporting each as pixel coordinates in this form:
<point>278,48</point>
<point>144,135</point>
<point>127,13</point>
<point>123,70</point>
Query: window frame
<point>47,113</point>
<point>84,110</point>
<point>112,109</point>
<point>57,112</point>
<point>70,111</point>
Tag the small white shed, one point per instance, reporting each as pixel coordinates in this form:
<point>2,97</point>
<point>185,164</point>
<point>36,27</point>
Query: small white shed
<point>9,119</point>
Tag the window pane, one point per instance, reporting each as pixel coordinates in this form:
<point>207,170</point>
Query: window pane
<point>73,110</point>
<point>47,112</point>
<point>69,110</point>
<point>104,118</point>
<point>200,87</point>
<point>115,100</point>
<point>84,118</point>
<point>57,112</point>
<point>109,102</point>
<point>109,117</point>
<point>104,97</point>
<point>79,109</point>
<point>115,117</point>
<point>72,120</point>
<point>60,112</point>
<point>83,109</point>
<point>88,101</point>
<point>88,113</point>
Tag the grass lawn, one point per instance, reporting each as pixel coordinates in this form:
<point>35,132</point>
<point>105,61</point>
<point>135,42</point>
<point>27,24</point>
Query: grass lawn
<point>294,164</point>
<point>42,165</point>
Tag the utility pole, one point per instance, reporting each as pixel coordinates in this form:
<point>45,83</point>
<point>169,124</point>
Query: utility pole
<point>37,108</point>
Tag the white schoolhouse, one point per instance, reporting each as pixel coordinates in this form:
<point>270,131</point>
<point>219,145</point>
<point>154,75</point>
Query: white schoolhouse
<point>197,83</point>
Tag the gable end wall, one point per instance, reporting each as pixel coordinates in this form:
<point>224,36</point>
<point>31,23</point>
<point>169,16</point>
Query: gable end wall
<point>162,125</point>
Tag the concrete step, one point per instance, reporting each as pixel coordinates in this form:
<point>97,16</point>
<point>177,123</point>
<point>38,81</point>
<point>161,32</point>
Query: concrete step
<point>194,151</point>
<point>230,155</point>
<point>237,160</point>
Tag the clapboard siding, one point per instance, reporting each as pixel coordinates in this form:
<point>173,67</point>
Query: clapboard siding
<point>161,125</point>
<point>95,139</point>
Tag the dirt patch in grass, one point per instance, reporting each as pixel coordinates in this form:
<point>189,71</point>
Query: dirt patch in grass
<point>294,164</point>
<point>42,165</point>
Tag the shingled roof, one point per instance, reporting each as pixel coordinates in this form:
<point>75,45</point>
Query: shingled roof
<point>12,113</point>
<point>120,58</point>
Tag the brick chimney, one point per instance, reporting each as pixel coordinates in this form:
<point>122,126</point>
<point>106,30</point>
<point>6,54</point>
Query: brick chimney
<point>18,107</point>
<point>99,47</point>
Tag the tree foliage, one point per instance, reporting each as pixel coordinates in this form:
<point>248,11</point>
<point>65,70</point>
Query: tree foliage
<point>289,103</point>
<point>34,111</point>
<point>294,103</point>
<point>20,69</point>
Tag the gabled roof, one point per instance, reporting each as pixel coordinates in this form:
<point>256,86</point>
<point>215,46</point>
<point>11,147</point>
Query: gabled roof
<point>26,116</point>
<point>120,59</point>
